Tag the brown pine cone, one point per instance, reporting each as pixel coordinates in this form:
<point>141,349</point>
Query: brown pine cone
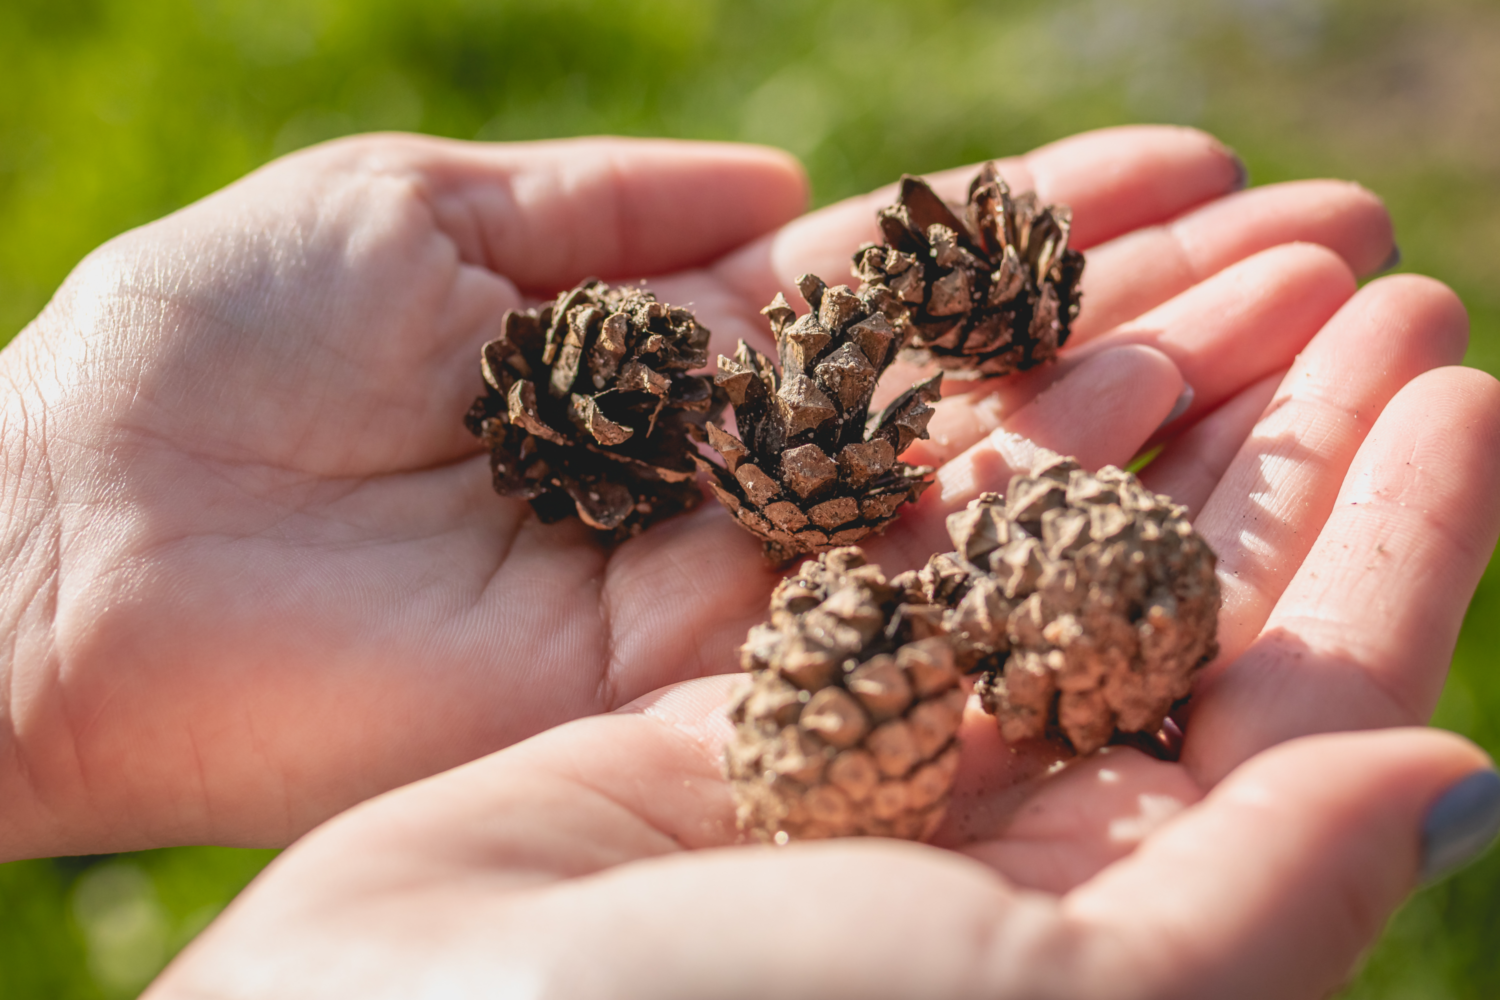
<point>1089,601</point>
<point>849,725</point>
<point>987,294</point>
<point>809,471</point>
<point>589,409</point>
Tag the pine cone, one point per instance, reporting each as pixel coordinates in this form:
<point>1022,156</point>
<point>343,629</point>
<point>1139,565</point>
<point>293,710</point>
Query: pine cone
<point>806,474</point>
<point>1089,601</point>
<point>589,409</point>
<point>849,725</point>
<point>989,294</point>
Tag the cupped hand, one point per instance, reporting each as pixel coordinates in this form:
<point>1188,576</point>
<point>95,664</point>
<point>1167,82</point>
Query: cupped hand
<point>598,859</point>
<point>254,571</point>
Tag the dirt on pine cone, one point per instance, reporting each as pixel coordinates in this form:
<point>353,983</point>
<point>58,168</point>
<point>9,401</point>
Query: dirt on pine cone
<point>849,725</point>
<point>589,409</point>
<point>809,470</point>
<point>984,289</point>
<point>1089,602</point>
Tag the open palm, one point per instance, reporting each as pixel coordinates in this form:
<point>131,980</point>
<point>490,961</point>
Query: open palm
<point>259,572</point>
<point>599,858</point>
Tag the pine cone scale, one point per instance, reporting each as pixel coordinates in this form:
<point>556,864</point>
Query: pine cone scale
<point>587,417</point>
<point>831,514</point>
<point>759,487</point>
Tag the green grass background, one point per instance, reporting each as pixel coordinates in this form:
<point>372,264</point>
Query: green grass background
<point>115,112</point>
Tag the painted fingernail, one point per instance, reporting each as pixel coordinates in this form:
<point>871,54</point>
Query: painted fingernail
<point>1241,172</point>
<point>1393,261</point>
<point>1184,400</point>
<point>1461,825</point>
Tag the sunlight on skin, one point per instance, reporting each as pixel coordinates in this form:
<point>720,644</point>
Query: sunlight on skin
<point>1362,634</point>
<point>958,421</point>
<point>1344,217</point>
<point>1023,809</point>
<point>963,479</point>
<point>1300,853</point>
<point>1283,858</point>
<point>1264,514</point>
<point>1234,328</point>
<point>1189,469</point>
<point>1155,810</point>
<point>415,247</point>
<point>1050,821</point>
<point>1043,818</point>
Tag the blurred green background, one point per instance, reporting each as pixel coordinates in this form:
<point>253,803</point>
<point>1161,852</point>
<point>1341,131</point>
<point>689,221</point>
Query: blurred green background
<point>118,111</point>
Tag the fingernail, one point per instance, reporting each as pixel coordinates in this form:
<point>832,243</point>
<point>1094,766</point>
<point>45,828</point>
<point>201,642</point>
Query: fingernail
<point>1184,400</point>
<point>1393,261</point>
<point>1461,825</point>
<point>1241,172</point>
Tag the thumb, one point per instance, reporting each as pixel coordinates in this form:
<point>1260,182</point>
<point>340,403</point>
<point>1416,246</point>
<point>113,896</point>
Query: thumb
<point>1276,882</point>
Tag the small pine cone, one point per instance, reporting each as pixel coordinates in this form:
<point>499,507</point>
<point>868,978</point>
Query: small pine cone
<point>1089,601</point>
<point>989,294</point>
<point>810,471</point>
<point>589,409</point>
<point>849,726</point>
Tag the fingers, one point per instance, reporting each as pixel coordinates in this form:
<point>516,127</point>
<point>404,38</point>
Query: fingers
<point>1138,271</point>
<point>1275,883</point>
<point>1363,634</point>
<point>548,214</point>
<point>1244,323</point>
<point>961,422</point>
<point>1266,511</point>
<point>1156,172</point>
<point>1222,335</point>
<point>1100,412</point>
<point>1193,463</point>
<point>1114,179</point>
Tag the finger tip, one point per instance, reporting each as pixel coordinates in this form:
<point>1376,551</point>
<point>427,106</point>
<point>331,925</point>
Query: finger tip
<point>1151,385</point>
<point>1369,243</point>
<point>1320,259</point>
<point>1145,360</point>
<point>783,175</point>
<point>1431,300</point>
<point>1482,388</point>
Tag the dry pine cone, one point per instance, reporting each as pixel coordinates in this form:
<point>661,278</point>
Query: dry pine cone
<point>987,294</point>
<point>589,409</point>
<point>806,474</point>
<point>849,725</point>
<point>1089,601</point>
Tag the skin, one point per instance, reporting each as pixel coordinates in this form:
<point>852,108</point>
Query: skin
<point>600,858</point>
<point>254,574</point>
<point>595,860</point>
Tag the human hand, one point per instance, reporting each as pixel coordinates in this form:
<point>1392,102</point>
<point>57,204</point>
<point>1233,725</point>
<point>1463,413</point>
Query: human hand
<point>590,862</point>
<point>593,860</point>
<point>254,569</point>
